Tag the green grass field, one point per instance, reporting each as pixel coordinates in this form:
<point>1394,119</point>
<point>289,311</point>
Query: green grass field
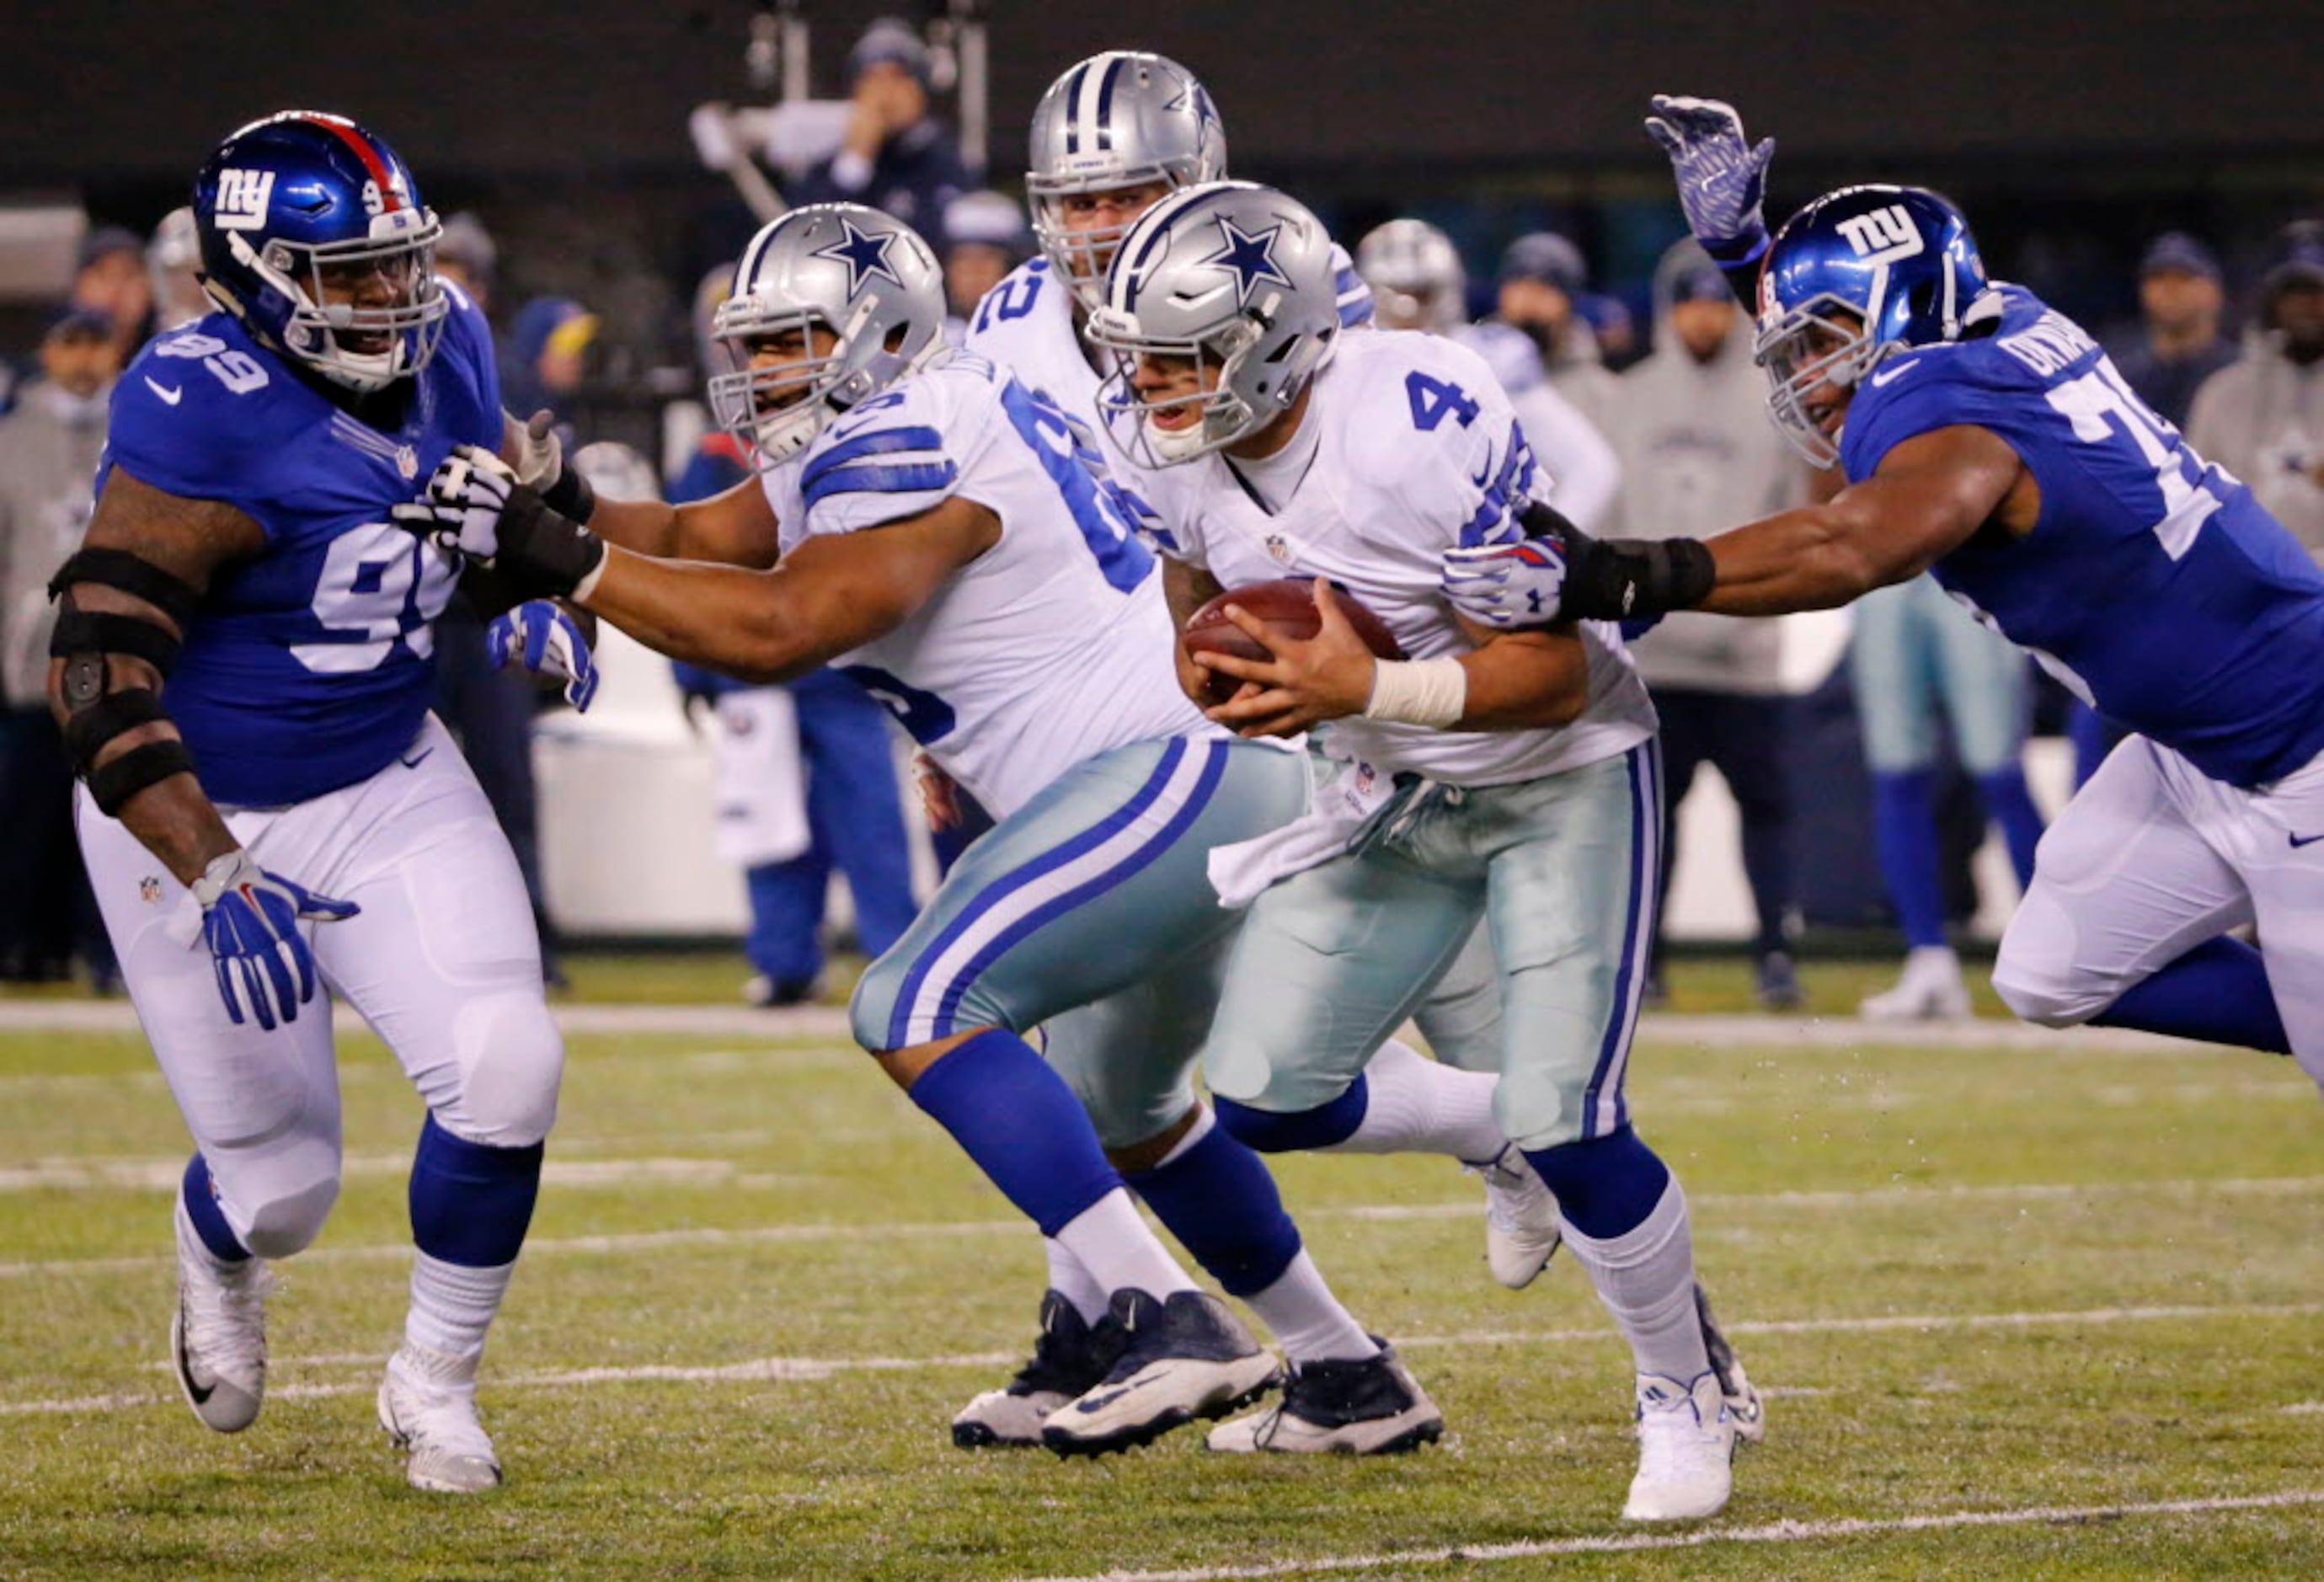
<point>2021,1311</point>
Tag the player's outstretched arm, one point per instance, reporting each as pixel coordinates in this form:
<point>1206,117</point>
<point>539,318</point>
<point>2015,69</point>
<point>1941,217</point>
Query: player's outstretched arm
<point>1929,494</point>
<point>96,683</point>
<point>736,528</point>
<point>833,593</point>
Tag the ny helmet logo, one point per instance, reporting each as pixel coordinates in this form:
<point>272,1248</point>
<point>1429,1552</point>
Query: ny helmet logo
<point>242,198</point>
<point>1882,235</point>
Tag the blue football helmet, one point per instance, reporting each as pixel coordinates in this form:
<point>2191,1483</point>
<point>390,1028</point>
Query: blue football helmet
<point>313,234</point>
<point>1855,275</point>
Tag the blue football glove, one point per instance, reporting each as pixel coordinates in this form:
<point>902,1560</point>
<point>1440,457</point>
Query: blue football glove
<point>1721,178</point>
<point>250,919</point>
<point>539,637</point>
<point>1507,586</point>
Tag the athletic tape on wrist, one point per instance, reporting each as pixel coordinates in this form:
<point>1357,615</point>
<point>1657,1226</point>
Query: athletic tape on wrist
<point>1418,692</point>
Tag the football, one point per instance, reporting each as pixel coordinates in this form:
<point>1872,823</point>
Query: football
<point>1284,605</point>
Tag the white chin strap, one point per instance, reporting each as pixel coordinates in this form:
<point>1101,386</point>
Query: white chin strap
<point>1177,444</point>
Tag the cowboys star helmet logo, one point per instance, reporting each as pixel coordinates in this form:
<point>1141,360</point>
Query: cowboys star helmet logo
<point>864,253</point>
<point>1249,257</point>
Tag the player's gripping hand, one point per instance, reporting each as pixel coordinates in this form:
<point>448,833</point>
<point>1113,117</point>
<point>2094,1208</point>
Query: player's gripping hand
<point>1560,573</point>
<point>476,506</point>
<point>1508,586</point>
<point>250,919</point>
<point>1721,178</point>
<point>544,639</point>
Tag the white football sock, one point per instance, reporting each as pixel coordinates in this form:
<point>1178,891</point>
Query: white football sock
<point>1419,1105</point>
<point>1308,1321</point>
<point>1110,1240</point>
<point>1071,1281</point>
<point>1646,1278</point>
<point>453,1305</point>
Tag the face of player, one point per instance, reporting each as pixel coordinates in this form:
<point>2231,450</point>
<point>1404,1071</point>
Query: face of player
<point>1104,217</point>
<point>369,285</point>
<point>1165,383</point>
<point>799,348</point>
<point>1826,405</point>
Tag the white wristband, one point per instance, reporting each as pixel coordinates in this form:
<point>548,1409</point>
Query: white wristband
<point>1418,692</point>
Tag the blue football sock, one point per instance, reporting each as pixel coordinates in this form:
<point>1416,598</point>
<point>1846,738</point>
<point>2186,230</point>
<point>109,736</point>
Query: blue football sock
<point>1320,1127</point>
<point>1020,1123</point>
<point>1904,820</point>
<point>2217,993</point>
<point>209,1218</point>
<point>472,1203</point>
<point>1219,1200</point>
<point>2009,804</point>
<point>1605,1186</point>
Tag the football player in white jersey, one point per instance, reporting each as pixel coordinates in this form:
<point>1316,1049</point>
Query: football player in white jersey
<point>955,540</point>
<point>1113,136</point>
<point>1418,282</point>
<point>1525,775</point>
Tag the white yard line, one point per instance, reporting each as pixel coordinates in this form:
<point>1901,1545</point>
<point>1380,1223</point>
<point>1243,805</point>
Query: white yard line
<point>831,1022</point>
<point>152,1174</point>
<point>796,1370</point>
<point>1772,1532</point>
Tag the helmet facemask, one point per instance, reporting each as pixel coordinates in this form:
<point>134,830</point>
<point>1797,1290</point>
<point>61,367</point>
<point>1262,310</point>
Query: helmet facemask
<point>1823,341</point>
<point>776,410</point>
<point>1244,398</point>
<point>363,347</point>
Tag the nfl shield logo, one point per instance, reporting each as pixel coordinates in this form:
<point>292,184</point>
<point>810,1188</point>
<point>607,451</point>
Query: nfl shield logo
<point>407,461</point>
<point>149,890</point>
<point>1278,549</point>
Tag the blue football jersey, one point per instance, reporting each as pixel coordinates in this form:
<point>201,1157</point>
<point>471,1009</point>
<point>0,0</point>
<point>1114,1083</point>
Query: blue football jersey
<point>311,666</point>
<point>2153,584</point>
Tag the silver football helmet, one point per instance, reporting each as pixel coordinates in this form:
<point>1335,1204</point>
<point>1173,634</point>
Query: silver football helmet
<point>1416,276</point>
<point>842,268</point>
<point>1237,281</point>
<point>1120,119</point>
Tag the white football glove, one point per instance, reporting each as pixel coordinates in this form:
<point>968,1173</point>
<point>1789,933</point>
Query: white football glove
<point>540,455</point>
<point>1721,178</point>
<point>540,637</point>
<point>461,511</point>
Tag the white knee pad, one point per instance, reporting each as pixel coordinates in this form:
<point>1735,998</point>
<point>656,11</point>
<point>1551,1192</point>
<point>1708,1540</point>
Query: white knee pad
<point>288,1221</point>
<point>512,1059</point>
<point>2036,975</point>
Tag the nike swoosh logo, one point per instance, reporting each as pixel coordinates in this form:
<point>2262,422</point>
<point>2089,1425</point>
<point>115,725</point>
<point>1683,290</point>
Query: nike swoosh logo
<point>2300,840</point>
<point>165,392</point>
<point>1898,372</point>
<point>418,758</point>
<point>1107,1398</point>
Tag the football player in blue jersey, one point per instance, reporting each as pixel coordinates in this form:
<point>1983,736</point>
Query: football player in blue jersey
<point>242,669</point>
<point>1985,436</point>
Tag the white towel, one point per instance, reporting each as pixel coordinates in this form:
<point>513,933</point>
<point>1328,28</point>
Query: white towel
<point>1342,799</point>
<point>761,786</point>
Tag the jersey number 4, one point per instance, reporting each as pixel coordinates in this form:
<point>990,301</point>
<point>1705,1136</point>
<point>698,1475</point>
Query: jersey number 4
<point>1432,399</point>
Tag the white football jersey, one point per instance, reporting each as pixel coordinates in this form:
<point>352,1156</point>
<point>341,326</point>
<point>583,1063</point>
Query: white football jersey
<point>1052,646</point>
<point>1417,452</point>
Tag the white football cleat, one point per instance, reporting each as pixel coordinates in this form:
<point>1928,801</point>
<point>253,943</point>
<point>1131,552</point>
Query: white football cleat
<point>1522,1228</point>
<point>1369,1407</point>
<point>1930,989</point>
<point>218,1333</point>
<point>428,1405</point>
<point>1070,1357</point>
<point>1182,1357</point>
<point>1686,1450</point>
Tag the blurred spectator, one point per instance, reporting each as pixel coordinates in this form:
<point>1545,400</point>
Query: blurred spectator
<point>112,279</point>
<point>49,448</point>
<point>986,237</point>
<point>1915,652</point>
<point>1698,455</point>
<point>173,262</point>
<point>896,156</point>
<point>547,357</point>
<point>467,256</point>
<point>2263,418</point>
<point>1542,275</point>
<point>854,810</point>
<point>2177,345</point>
